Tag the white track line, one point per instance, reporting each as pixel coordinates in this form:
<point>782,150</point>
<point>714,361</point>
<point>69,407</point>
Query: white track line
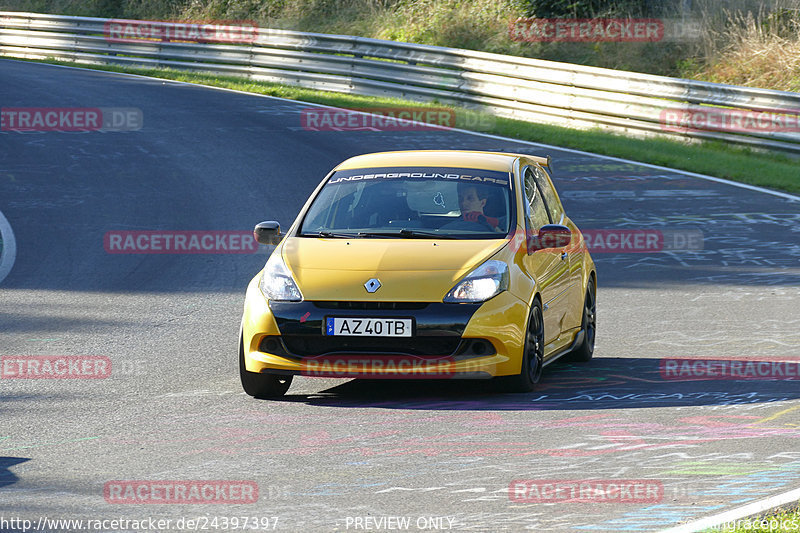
<point>8,253</point>
<point>780,194</point>
<point>738,513</point>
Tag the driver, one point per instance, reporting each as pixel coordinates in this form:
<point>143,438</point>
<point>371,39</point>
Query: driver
<point>472,200</point>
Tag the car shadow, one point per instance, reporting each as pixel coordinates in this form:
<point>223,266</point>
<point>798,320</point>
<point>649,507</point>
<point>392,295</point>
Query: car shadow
<point>7,477</point>
<point>603,383</point>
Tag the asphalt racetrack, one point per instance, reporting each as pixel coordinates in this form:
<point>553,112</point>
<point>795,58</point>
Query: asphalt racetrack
<point>343,455</point>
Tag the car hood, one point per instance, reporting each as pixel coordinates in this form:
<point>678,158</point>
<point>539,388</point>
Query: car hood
<point>409,270</point>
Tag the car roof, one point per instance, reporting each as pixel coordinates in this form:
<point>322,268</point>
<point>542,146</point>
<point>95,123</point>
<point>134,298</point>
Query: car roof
<point>499,161</point>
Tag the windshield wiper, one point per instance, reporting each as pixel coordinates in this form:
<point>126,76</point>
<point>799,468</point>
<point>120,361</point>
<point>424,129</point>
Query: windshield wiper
<point>408,233</point>
<point>331,234</point>
<point>404,233</point>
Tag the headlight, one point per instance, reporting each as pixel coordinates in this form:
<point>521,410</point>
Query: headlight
<point>486,281</point>
<point>277,282</point>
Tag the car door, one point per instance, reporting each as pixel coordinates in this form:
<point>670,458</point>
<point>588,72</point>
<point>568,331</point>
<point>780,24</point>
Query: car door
<point>573,298</point>
<point>547,266</point>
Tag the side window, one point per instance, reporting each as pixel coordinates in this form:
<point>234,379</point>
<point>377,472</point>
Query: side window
<point>537,212</point>
<point>550,196</point>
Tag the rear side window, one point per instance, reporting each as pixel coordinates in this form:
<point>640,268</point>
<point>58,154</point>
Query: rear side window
<point>549,193</point>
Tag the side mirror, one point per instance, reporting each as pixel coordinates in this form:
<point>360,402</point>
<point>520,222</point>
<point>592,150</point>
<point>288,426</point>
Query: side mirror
<point>550,236</point>
<point>268,232</point>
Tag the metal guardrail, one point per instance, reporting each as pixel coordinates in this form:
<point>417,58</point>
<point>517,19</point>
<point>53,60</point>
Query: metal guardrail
<point>527,89</point>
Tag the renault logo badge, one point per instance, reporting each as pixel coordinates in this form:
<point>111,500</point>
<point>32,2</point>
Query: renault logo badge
<point>372,285</point>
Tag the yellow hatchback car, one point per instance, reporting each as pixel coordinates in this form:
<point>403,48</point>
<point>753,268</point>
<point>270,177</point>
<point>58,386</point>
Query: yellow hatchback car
<point>421,264</point>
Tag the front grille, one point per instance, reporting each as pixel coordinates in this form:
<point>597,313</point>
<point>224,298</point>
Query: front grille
<point>295,346</point>
<point>308,345</point>
<point>381,306</point>
<point>438,328</point>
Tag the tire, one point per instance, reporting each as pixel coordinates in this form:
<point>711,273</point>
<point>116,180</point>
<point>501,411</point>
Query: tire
<point>584,352</point>
<point>532,354</point>
<point>261,385</point>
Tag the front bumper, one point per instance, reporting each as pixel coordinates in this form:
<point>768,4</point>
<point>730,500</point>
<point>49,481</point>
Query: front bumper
<point>450,340</point>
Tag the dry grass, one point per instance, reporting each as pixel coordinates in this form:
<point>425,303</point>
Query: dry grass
<point>744,42</point>
<point>756,50</point>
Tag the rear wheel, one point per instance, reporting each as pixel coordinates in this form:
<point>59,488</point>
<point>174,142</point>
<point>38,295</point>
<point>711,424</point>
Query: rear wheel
<point>261,385</point>
<point>532,354</point>
<point>583,353</point>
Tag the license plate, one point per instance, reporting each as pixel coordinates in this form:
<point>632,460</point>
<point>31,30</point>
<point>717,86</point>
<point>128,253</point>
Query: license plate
<point>369,327</point>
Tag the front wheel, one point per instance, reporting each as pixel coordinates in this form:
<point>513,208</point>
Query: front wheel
<point>261,385</point>
<point>532,354</point>
<point>583,353</point>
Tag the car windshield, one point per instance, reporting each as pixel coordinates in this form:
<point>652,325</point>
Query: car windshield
<point>454,203</point>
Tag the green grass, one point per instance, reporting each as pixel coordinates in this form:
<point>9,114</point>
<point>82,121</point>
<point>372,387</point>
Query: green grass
<point>738,43</point>
<point>782,521</point>
<point>779,172</point>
